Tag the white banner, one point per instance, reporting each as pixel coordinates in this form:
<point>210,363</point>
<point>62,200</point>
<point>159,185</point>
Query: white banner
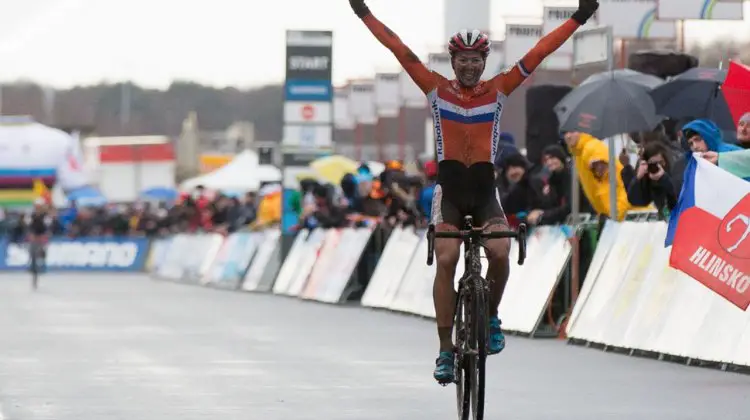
<point>520,39</point>
<point>387,94</point>
<point>562,59</point>
<point>634,19</point>
<point>308,136</point>
<point>441,63</point>
<point>342,110</point>
<point>495,61</point>
<point>307,112</point>
<point>72,172</point>
<point>699,9</point>
<point>411,94</point>
<point>362,102</point>
<point>460,15</point>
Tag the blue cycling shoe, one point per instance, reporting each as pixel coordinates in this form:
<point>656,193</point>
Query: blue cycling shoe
<point>444,368</point>
<point>497,338</point>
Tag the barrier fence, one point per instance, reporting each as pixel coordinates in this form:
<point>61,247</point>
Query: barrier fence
<point>630,299</point>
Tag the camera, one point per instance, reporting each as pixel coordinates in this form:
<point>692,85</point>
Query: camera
<point>653,168</point>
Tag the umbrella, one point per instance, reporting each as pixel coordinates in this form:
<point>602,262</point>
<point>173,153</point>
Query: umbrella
<point>694,94</point>
<point>87,196</point>
<point>736,90</point>
<point>159,194</point>
<point>607,107</point>
<point>332,168</point>
<point>629,75</point>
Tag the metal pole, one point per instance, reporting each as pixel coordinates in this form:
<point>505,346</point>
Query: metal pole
<point>124,107</point>
<point>612,155</point>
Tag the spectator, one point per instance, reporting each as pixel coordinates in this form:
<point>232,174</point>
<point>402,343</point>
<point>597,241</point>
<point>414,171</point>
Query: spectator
<point>352,201</point>
<point>743,131</point>
<point>652,183</point>
<point>374,201</point>
<point>556,192</point>
<point>506,147</point>
<point>520,191</point>
<point>591,158</point>
<point>425,195</point>
<point>244,213</point>
<point>322,213</point>
<point>704,136</point>
<point>269,208</point>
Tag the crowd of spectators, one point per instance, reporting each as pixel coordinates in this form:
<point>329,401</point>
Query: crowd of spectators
<point>537,193</point>
<point>199,210</point>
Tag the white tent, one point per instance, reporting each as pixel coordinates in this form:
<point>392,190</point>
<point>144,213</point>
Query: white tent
<point>28,145</point>
<point>242,174</point>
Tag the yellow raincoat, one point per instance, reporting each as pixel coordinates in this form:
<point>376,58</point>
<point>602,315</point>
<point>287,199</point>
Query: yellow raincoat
<point>587,151</point>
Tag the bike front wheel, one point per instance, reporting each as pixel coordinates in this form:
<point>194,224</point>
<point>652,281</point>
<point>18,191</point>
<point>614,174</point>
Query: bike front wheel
<point>478,330</point>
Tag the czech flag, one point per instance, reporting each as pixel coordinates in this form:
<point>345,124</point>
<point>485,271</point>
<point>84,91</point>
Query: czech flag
<point>709,231</point>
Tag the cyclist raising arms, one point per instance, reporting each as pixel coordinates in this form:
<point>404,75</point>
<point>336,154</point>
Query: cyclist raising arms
<point>466,115</point>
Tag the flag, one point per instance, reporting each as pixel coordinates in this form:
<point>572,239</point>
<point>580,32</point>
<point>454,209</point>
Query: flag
<point>41,191</point>
<point>709,231</point>
<point>736,163</point>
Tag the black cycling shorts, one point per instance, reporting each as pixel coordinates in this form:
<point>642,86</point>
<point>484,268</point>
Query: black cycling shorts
<point>484,209</point>
<point>466,191</point>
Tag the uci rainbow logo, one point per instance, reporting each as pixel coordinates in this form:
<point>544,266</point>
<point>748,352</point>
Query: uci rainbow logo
<point>644,28</point>
<point>707,10</point>
<point>648,20</point>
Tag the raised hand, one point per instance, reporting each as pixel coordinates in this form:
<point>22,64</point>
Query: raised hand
<point>359,7</point>
<point>586,9</point>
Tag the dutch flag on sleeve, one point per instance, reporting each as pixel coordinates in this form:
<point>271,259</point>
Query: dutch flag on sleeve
<point>709,230</point>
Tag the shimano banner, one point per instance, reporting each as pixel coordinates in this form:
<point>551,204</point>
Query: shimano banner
<point>83,254</point>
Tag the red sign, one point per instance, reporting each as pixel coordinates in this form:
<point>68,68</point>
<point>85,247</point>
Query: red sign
<point>308,112</point>
<point>716,252</point>
<point>136,153</point>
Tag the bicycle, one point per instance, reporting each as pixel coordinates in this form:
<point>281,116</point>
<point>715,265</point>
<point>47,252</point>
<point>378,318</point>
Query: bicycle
<point>471,315</point>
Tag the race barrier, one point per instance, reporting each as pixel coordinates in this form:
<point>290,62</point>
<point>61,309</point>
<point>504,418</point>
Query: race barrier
<point>632,300</point>
<point>403,281</point>
<point>82,254</point>
<point>242,259</point>
<point>321,265</point>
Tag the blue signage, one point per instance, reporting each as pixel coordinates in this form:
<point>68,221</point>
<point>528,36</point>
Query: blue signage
<point>82,254</point>
<point>309,90</point>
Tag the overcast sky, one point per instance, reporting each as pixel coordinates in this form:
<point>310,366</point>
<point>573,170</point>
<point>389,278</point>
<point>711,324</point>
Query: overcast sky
<point>222,42</point>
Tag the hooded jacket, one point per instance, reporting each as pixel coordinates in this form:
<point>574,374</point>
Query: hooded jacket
<point>588,150</point>
<point>711,134</point>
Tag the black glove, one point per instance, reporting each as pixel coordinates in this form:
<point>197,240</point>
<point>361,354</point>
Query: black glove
<point>360,8</point>
<point>586,9</point>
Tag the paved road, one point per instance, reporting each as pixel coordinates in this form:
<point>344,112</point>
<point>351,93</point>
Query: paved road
<point>125,347</point>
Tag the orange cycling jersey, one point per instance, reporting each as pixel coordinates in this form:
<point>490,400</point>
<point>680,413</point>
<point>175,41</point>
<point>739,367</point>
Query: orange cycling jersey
<point>467,120</point>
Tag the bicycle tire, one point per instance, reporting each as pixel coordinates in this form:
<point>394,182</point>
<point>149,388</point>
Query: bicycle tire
<point>463,387</point>
<point>480,332</point>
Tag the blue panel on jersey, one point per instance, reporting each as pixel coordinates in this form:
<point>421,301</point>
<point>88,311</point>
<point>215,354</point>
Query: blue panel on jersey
<point>474,119</point>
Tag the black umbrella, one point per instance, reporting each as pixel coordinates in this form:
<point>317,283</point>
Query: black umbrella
<point>629,75</point>
<point>695,94</point>
<point>607,107</point>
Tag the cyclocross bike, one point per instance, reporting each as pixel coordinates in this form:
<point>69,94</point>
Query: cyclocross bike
<point>471,316</point>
